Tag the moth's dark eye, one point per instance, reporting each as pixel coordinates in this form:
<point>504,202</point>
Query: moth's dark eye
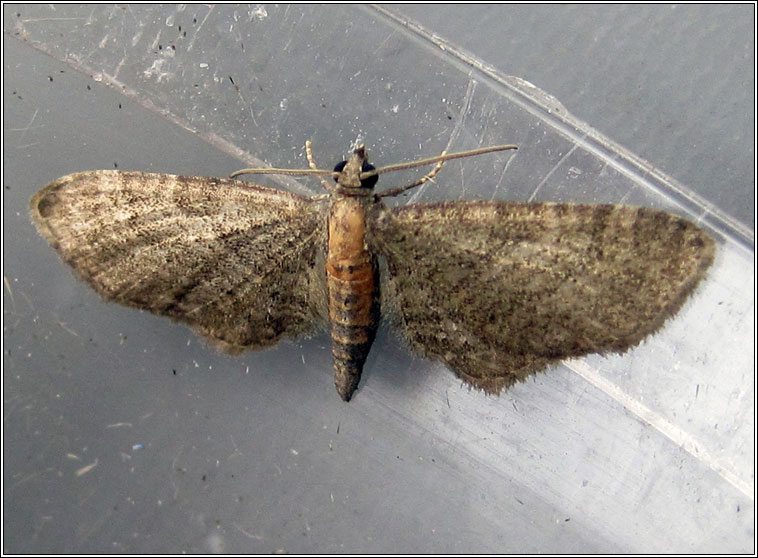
<point>338,168</point>
<point>371,181</point>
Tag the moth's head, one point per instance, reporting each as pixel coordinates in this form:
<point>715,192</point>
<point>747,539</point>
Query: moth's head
<point>350,171</point>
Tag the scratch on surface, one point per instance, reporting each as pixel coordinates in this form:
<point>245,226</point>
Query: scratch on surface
<point>10,292</point>
<point>460,118</point>
<point>552,171</point>
<point>157,40</point>
<point>28,301</point>
<point>458,125</point>
<point>245,103</point>
<point>27,127</point>
<point>236,451</point>
<point>118,424</point>
<point>625,197</point>
<point>462,172</point>
<point>27,478</point>
<point>174,469</point>
<point>460,121</point>
<point>247,533</point>
<point>40,524</point>
<point>503,174</point>
<point>118,67</point>
<point>136,38</point>
<point>680,437</point>
<point>380,46</point>
<point>64,327</point>
<point>199,27</point>
<point>87,468</point>
<point>38,19</point>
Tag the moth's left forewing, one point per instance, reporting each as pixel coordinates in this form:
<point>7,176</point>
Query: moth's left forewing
<point>236,262</point>
<point>499,290</point>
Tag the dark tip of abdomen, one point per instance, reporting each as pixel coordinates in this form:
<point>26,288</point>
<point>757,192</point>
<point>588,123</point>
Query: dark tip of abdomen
<point>347,374</point>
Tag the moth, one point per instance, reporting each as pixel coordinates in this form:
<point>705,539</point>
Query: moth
<point>495,290</point>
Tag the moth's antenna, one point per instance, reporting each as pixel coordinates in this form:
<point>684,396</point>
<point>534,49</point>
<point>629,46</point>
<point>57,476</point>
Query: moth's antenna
<point>439,159</point>
<point>293,172</point>
<point>312,164</point>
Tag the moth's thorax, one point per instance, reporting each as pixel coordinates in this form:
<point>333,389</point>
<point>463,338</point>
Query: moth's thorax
<point>347,229</point>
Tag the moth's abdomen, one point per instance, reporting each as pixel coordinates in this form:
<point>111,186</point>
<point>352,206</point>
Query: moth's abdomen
<point>351,275</point>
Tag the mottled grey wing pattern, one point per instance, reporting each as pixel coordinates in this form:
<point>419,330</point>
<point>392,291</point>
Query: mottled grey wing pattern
<point>500,290</point>
<point>234,261</point>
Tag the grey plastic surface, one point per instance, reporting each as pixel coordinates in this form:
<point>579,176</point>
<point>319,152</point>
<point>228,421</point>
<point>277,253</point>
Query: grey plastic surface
<point>125,433</point>
<point>673,83</point>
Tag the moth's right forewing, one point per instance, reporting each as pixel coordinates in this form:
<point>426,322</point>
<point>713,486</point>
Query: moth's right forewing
<point>236,262</point>
<point>499,290</point>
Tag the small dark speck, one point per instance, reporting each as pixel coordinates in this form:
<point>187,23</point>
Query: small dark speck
<point>194,20</point>
<point>180,28</point>
<point>119,105</point>
<point>205,477</point>
<point>18,14</point>
<point>567,520</point>
<point>89,88</point>
<point>519,501</point>
<point>449,117</point>
<point>50,78</point>
<point>738,508</point>
<point>115,165</point>
<point>160,47</point>
<point>184,34</point>
<point>174,371</point>
<point>173,47</point>
<point>230,79</point>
